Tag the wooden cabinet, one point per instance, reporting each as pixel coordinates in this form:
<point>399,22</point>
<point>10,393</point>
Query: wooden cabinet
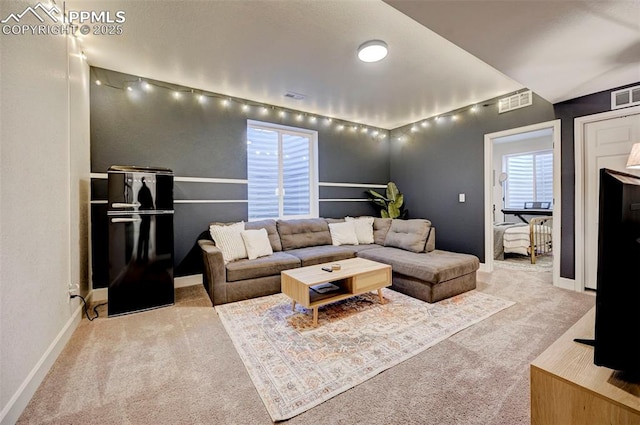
<point>567,388</point>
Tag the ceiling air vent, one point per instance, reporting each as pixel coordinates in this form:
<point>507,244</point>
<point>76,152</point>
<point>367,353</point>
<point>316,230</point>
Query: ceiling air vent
<point>294,95</point>
<point>625,97</point>
<point>516,101</point>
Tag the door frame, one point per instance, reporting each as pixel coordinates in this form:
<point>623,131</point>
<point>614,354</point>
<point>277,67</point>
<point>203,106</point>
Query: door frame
<point>554,125</point>
<point>579,133</point>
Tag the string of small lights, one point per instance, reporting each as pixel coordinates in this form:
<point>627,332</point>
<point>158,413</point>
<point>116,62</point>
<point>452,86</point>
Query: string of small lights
<point>141,85</point>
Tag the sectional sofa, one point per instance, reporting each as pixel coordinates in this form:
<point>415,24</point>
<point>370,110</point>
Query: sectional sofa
<point>418,269</point>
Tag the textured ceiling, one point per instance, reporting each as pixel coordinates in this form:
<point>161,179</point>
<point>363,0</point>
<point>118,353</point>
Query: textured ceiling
<point>259,50</point>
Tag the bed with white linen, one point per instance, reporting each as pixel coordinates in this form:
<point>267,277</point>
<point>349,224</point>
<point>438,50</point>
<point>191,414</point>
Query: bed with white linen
<point>532,239</point>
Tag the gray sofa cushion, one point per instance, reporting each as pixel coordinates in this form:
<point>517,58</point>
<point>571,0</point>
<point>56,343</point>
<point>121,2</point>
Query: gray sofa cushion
<point>361,247</point>
<point>380,228</point>
<point>410,235</point>
<point>322,254</point>
<point>260,267</point>
<point>334,220</point>
<point>303,233</point>
<point>272,232</point>
<point>435,266</point>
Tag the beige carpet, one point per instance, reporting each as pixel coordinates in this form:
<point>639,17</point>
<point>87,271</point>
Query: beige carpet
<point>177,365</point>
<point>296,366</point>
<point>543,263</point>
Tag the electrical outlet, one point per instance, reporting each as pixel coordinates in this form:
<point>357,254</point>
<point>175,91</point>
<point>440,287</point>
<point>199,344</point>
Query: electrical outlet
<point>74,290</point>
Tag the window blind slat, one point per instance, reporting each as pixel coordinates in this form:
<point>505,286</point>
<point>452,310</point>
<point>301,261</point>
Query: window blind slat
<point>530,178</point>
<point>265,171</point>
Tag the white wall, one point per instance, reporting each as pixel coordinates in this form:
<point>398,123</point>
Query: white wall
<point>44,167</point>
<point>80,167</point>
<point>510,148</point>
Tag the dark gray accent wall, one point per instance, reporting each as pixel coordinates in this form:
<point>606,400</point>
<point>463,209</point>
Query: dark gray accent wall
<point>567,112</point>
<point>434,164</point>
<point>208,140</point>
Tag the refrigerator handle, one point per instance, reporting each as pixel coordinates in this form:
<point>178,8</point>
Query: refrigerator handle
<point>125,205</point>
<point>125,220</point>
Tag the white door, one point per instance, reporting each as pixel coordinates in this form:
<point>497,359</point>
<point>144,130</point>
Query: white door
<point>607,145</point>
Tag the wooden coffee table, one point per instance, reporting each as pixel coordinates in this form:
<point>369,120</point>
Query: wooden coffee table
<point>356,276</point>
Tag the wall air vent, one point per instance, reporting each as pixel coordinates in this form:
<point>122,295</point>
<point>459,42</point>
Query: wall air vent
<point>625,97</point>
<point>294,95</point>
<point>516,101</point>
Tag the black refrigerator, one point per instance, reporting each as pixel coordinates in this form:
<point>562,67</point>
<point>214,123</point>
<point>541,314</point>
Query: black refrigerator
<point>140,214</point>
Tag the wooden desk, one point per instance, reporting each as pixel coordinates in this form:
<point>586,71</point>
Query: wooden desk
<point>526,211</point>
<point>567,388</point>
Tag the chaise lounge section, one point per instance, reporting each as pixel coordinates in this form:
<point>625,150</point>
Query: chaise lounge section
<point>419,270</point>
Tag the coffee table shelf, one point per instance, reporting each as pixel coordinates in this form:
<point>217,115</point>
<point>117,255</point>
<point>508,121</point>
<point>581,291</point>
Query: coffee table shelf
<point>356,276</point>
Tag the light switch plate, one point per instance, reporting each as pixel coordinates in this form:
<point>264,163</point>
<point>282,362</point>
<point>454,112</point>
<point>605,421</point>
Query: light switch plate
<point>461,197</point>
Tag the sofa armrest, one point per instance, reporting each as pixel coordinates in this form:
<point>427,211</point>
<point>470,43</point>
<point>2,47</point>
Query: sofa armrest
<point>214,271</point>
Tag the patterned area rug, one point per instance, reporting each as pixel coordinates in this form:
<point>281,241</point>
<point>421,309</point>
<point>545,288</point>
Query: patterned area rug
<point>295,366</point>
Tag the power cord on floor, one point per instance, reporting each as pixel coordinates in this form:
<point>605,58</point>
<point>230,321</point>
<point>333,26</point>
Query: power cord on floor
<point>86,308</point>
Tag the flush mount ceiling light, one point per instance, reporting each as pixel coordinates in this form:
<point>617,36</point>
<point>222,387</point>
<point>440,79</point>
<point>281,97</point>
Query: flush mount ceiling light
<point>372,51</point>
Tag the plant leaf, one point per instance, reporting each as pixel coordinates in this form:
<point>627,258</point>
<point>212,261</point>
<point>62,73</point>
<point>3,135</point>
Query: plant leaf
<point>384,214</point>
<point>394,212</point>
<point>399,201</point>
<point>392,191</point>
<point>375,194</point>
<point>379,202</point>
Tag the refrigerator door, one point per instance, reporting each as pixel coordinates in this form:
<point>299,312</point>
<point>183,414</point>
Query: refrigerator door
<point>137,189</point>
<point>140,214</point>
<point>140,262</point>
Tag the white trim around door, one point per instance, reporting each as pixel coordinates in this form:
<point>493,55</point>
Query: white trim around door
<point>579,134</point>
<point>488,194</point>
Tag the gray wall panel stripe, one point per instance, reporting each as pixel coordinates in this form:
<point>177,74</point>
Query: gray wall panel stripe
<point>368,186</point>
<point>244,181</point>
<point>343,200</point>
<point>231,201</point>
<point>209,201</point>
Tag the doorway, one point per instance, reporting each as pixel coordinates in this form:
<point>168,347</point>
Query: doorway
<point>601,141</point>
<point>495,186</point>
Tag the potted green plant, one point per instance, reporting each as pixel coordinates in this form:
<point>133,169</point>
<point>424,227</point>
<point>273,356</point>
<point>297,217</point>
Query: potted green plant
<point>391,205</point>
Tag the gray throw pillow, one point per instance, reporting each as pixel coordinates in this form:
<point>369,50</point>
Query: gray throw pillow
<point>410,235</point>
<point>302,233</point>
<point>380,228</point>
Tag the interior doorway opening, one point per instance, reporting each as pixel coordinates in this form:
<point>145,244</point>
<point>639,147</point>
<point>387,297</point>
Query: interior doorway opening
<point>522,198</point>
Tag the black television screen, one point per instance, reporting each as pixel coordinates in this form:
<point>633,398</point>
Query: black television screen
<point>617,327</point>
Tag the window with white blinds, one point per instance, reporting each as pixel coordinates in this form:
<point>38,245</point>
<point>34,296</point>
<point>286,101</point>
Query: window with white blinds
<point>282,171</point>
<point>530,178</point>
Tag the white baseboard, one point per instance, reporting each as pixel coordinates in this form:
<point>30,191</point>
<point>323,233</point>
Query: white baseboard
<point>566,283</point>
<point>18,402</point>
<point>98,295</point>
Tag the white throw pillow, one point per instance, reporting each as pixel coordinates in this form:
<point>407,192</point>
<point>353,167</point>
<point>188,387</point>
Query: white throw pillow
<point>257,243</point>
<point>343,233</point>
<point>364,228</point>
<point>229,240</point>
